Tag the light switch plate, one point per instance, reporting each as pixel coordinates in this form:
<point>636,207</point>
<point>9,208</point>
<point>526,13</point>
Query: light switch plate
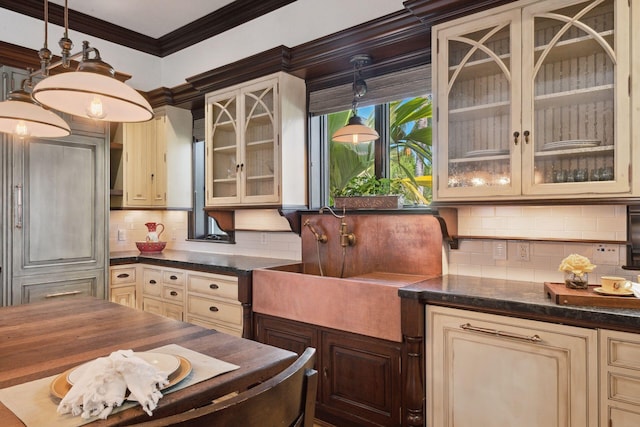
<point>499,249</point>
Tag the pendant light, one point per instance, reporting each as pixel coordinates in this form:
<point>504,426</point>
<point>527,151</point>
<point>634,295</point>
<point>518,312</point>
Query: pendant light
<point>356,131</point>
<point>21,116</point>
<point>92,90</point>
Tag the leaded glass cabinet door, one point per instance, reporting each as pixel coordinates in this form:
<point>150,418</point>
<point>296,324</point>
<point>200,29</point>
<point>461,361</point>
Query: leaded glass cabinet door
<point>259,166</point>
<point>223,149</point>
<point>478,87</point>
<point>577,54</point>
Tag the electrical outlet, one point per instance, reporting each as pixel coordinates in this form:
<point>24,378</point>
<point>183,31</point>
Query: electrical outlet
<point>522,251</point>
<point>122,235</point>
<point>500,250</point>
<point>263,238</point>
<point>606,254</point>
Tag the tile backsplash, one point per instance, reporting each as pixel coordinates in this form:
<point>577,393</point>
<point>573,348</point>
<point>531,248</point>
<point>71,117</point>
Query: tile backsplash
<point>532,224</point>
<point>130,225</point>
<point>474,257</point>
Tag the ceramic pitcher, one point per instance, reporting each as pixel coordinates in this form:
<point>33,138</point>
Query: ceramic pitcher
<point>153,235</point>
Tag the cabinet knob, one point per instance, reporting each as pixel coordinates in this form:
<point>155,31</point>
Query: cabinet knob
<point>122,275</point>
<point>213,286</point>
<point>153,282</point>
<point>516,135</point>
<point>172,277</point>
<point>213,308</point>
<point>174,293</point>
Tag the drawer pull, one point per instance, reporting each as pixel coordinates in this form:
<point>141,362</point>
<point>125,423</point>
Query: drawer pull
<point>174,293</point>
<point>62,294</point>
<point>153,282</point>
<point>213,286</point>
<point>172,277</point>
<point>497,333</point>
<point>123,275</point>
<point>213,308</point>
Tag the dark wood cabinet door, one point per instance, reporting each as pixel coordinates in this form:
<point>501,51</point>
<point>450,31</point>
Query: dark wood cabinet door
<point>361,379</point>
<point>292,336</point>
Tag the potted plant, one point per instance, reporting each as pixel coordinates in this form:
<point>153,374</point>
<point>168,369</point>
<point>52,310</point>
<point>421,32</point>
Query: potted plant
<point>369,192</point>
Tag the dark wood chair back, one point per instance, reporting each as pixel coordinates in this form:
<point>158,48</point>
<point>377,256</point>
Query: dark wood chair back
<point>286,400</point>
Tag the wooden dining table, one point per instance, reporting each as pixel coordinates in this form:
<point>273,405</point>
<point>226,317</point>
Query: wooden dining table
<point>46,338</point>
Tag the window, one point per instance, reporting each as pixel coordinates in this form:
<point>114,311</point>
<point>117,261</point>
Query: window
<point>201,225</point>
<point>403,152</point>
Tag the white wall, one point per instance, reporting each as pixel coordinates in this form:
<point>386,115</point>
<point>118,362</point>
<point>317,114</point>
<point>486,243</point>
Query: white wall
<point>294,24</point>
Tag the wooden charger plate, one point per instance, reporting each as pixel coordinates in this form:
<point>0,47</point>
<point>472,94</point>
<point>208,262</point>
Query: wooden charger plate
<point>59,387</point>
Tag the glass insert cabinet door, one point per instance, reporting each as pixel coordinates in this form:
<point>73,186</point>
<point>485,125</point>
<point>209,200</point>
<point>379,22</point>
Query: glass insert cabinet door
<point>478,72</point>
<point>223,147</point>
<point>530,101</point>
<point>578,98</point>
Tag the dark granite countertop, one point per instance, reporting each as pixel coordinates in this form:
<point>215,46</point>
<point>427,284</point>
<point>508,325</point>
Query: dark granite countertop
<point>519,299</point>
<point>201,261</point>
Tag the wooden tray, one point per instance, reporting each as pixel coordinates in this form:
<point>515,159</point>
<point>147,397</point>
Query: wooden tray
<point>562,295</point>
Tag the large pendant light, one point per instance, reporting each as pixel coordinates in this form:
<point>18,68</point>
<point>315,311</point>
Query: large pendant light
<point>23,117</point>
<point>92,90</point>
<point>355,130</point>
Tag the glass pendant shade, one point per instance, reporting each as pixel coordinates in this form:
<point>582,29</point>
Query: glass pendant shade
<point>93,92</point>
<point>22,117</point>
<point>355,132</point>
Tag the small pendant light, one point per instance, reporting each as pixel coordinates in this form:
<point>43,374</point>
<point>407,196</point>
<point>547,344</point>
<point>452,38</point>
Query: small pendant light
<point>355,130</point>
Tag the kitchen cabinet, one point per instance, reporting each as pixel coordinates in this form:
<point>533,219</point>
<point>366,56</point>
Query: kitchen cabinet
<point>360,382</point>
<point>212,302</point>
<point>53,214</point>
<point>163,292</point>
<point>620,379</point>
<point>255,150</point>
<point>156,160</point>
<point>532,101</point>
<point>485,369</point>
<point>123,284</point>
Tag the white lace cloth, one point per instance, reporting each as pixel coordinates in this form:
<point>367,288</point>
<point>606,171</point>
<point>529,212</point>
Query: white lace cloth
<point>104,382</point>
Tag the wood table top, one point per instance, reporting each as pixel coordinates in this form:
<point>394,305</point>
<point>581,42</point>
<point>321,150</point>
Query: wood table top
<point>46,338</point>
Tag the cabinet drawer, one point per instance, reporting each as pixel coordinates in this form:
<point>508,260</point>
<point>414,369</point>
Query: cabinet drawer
<point>213,309</point>
<point>214,285</point>
<point>66,289</point>
<point>624,388</point>
<point>152,282</point>
<point>173,294</point>
<point>152,306</point>
<point>623,350</point>
<point>173,277</point>
<point>215,325</point>
<point>122,276</point>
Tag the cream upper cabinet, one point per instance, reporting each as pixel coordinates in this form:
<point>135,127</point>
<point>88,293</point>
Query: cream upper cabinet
<point>157,160</point>
<point>533,100</point>
<point>255,138</point>
<point>489,370</point>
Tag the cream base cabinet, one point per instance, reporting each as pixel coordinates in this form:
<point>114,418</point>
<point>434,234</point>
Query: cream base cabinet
<point>157,160</point>
<point>488,370</point>
<point>163,291</point>
<point>255,150</point>
<point>212,302</point>
<point>123,284</point>
<point>532,99</point>
<point>620,379</point>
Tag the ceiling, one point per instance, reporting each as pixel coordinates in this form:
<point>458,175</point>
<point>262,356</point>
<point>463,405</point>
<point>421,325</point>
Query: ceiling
<point>153,18</point>
<point>157,27</point>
